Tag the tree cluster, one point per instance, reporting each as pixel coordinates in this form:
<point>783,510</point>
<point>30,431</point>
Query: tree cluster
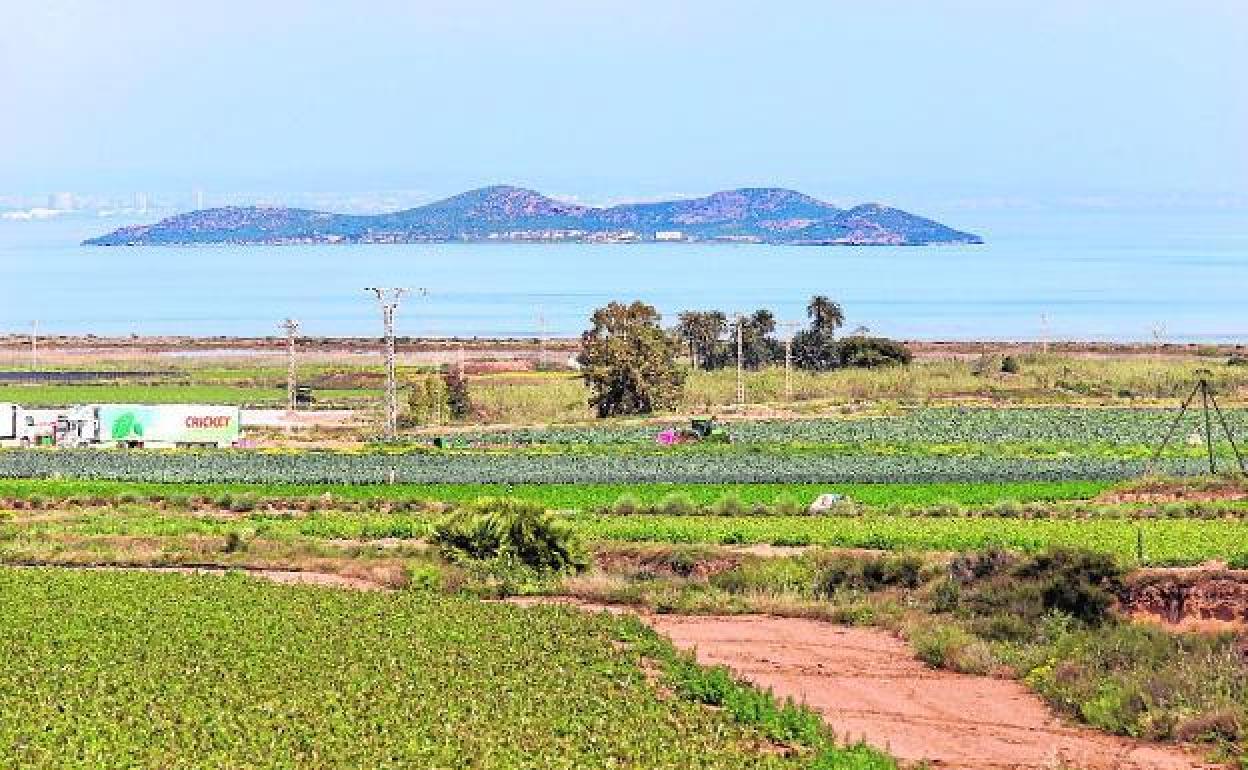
<point>710,339</point>
<point>435,399</point>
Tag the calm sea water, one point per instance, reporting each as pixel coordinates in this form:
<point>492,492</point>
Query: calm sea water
<point>1081,275</point>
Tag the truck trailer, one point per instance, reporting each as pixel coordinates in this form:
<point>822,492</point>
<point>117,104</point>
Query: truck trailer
<point>150,425</point>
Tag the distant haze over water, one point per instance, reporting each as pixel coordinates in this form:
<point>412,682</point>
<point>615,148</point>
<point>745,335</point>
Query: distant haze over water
<point>1095,275</point>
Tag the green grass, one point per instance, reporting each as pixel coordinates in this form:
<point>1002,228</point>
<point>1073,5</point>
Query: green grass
<point>1166,541</point>
<point>581,496</point>
<point>166,671</point>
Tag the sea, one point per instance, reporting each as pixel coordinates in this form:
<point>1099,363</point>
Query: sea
<point>1103,275</point>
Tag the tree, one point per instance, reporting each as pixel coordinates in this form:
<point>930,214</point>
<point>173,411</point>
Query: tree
<point>628,362</point>
<point>700,331</point>
<point>815,348</point>
<point>825,315</point>
<point>758,347</point>
<point>458,400</point>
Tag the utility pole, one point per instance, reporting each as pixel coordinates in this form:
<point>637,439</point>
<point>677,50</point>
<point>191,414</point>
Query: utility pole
<point>291,327</point>
<point>740,361</point>
<point>388,299</point>
<point>541,340</point>
<point>1044,333</point>
<point>34,346</point>
<point>790,329</point>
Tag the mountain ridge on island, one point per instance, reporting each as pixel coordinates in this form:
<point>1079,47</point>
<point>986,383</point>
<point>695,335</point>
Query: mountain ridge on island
<point>503,213</point>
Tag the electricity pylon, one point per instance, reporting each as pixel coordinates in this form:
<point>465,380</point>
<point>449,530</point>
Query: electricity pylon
<point>388,299</point>
<point>291,327</point>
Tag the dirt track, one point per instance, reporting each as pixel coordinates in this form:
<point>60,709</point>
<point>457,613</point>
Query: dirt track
<point>868,685</point>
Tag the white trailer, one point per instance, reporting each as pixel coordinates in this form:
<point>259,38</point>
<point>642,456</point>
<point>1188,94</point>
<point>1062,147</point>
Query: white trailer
<point>148,425</point>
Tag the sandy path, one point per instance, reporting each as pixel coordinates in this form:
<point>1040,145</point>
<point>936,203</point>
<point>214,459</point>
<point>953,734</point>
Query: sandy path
<point>867,684</point>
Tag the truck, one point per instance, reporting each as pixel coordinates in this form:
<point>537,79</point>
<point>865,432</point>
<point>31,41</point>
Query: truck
<point>150,425</point>
<point>22,427</point>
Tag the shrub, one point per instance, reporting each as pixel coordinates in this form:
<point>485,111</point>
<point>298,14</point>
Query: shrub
<point>867,573</point>
<point>1078,582</point>
<point>871,352</point>
<point>518,530</point>
<point>1010,365</point>
<point>947,646</point>
<point>729,504</point>
<point>677,504</point>
<point>626,505</point>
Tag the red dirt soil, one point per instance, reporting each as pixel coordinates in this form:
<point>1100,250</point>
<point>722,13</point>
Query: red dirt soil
<point>867,684</point>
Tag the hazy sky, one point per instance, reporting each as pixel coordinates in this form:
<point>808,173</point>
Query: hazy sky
<point>888,99</point>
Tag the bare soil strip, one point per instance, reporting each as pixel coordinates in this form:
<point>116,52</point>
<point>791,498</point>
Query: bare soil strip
<point>868,685</point>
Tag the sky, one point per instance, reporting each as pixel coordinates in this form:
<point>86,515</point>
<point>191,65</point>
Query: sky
<point>972,102</point>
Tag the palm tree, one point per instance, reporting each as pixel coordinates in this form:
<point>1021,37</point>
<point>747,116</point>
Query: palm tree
<point>825,314</point>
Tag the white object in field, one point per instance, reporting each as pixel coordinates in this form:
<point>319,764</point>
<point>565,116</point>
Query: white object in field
<point>1195,438</point>
<point>825,502</point>
<point>574,363</point>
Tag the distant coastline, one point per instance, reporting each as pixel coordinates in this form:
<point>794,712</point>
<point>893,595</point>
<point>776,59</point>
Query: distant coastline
<point>505,214</point>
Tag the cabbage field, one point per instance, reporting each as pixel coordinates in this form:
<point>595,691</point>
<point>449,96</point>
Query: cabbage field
<point>731,466</point>
<point>960,425</point>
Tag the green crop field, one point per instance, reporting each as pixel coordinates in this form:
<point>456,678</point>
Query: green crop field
<point>166,671</point>
<point>570,496</point>
<point>962,425</point>
<point>513,467</point>
<point>1165,541</point>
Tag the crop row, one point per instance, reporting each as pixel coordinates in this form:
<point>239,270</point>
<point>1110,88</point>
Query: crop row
<point>161,671</point>
<point>935,426</point>
<point>558,496</point>
<point>549,468</point>
<point>1163,540</point>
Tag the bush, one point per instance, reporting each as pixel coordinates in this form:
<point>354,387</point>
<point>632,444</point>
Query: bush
<point>509,529</point>
<point>1078,582</point>
<point>871,352</point>
<point>1007,598</point>
<point>677,504</point>
<point>868,573</point>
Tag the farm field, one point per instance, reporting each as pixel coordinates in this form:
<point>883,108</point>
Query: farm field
<point>1134,535</point>
<point>234,395</point>
<point>181,671</point>
<point>565,496</point>
<point>528,397</point>
<point>728,467</point>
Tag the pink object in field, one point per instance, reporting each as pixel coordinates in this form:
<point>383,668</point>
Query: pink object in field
<point>667,437</point>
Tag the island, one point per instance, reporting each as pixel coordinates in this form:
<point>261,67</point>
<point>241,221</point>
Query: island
<point>503,213</point>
